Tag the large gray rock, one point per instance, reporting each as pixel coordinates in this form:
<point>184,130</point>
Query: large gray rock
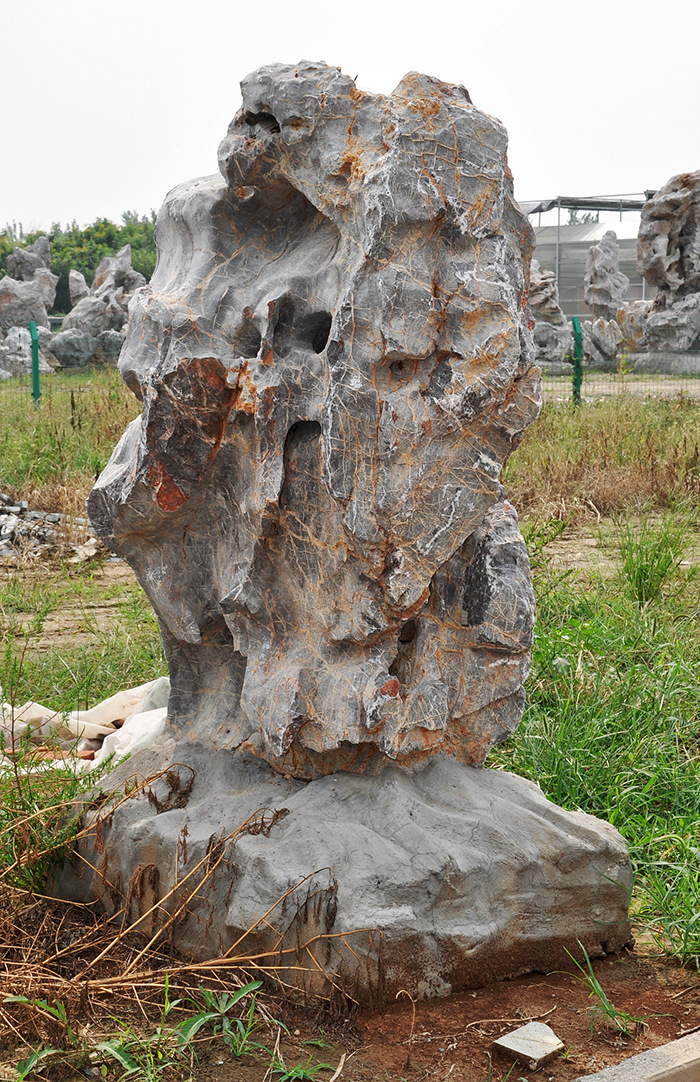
<point>668,256</point>
<point>110,346</point>
<point>454,876</point>
<point>335,362</point>
<point>77,286</point>
<point>16,351</point>
<point>74,349</point>
<point>552,332</point>
<point>601,343</point>
<point>23,263</point>
<point>605,286</point>
<point>21,302</point>
<point>668,244</point>
<point>105,306</point>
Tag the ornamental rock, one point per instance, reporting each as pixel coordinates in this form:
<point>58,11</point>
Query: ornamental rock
<point>335,363</point>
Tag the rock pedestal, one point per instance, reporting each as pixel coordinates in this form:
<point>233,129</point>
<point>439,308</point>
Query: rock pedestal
<point>432,878</point>
<point>335,362</point>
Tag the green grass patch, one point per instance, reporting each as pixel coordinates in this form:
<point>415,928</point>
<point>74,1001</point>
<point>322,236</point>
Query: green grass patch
<point>612,724</point>
<point>67,440</point>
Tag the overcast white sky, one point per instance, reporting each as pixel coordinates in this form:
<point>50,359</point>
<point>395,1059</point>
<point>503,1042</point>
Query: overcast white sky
<point>107,105</point>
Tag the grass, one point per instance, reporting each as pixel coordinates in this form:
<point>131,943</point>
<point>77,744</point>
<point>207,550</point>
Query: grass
<point>612,724</point>
<point>52,455</point>
<point>604,457</point>
<point>620,1021</point>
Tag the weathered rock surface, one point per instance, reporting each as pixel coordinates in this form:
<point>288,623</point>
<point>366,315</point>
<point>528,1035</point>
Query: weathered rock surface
<point>77,286</point>
<point>632,321</point>
<point>335,363</point>
<point>24,301</point>
<point>23,263</point>
<point>455,876</point>
<point>668,256</point>
<point>604,284</point>
<point>601,342</point>
<point>552,332</point>
<point>110,344</point>
<point>16,351</point>
<point>98,312</point>
<point>74,348</point>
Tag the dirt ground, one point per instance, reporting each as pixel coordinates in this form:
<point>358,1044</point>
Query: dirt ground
<point>452,1037</point>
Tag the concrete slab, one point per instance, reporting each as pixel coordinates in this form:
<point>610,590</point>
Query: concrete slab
<point>678,1061</point>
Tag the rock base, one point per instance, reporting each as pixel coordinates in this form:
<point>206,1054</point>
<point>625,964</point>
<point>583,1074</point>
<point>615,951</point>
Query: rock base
<point>433,879</point>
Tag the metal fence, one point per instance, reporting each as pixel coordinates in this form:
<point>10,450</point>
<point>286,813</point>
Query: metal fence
<point>559,381</point>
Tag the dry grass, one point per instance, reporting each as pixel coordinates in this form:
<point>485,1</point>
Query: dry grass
<point>603,457</point>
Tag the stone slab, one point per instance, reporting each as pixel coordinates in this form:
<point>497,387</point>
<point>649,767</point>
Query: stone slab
<point>678,1061</point>
<point>534,1044</point>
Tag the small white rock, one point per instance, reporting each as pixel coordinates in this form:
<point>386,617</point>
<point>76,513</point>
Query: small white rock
<point>534,1044</point>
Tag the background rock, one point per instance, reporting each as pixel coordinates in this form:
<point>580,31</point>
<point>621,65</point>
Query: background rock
<point>105,306</point>
<point>74,349</point>
<point>21,302</point>
<point>668,251</point>
<point>77,286</point>
<point>605,286</point>
<point>23,263</point>
<point>552,332</point>
<point>16,351</point>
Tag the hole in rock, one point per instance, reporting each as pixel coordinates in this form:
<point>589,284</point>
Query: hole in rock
<point>248,339</point>
<point>314,331</point>
<point>394,371</point>
<point>262,120</point>
<point>299,458</point>
<point>408,631</point>
<point>283,327</point>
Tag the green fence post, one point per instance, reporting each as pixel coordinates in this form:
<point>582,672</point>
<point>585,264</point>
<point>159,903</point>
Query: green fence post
<point>36,390</point>
<point>578,358</point>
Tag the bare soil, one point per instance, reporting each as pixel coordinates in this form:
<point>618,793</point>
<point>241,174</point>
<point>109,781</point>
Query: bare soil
<point>453,1037</point>
<point>74,623</point>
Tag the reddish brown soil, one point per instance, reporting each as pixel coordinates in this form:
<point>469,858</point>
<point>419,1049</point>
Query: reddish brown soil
<point>452,1037</point>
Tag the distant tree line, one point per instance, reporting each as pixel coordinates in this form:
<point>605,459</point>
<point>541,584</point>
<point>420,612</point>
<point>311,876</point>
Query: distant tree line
<point>84,249</point>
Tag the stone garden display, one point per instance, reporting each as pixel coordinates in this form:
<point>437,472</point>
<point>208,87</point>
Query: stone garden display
<point>668,255</point>
<point>335,363</point>
<point>552,332</point>
<point>100,311</point>
<point>31,292</point>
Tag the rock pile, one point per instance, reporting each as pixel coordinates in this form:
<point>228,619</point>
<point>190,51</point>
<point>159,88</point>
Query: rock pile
<point>32,291</point>
<point>92,331</point>
<point>35,533</point>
